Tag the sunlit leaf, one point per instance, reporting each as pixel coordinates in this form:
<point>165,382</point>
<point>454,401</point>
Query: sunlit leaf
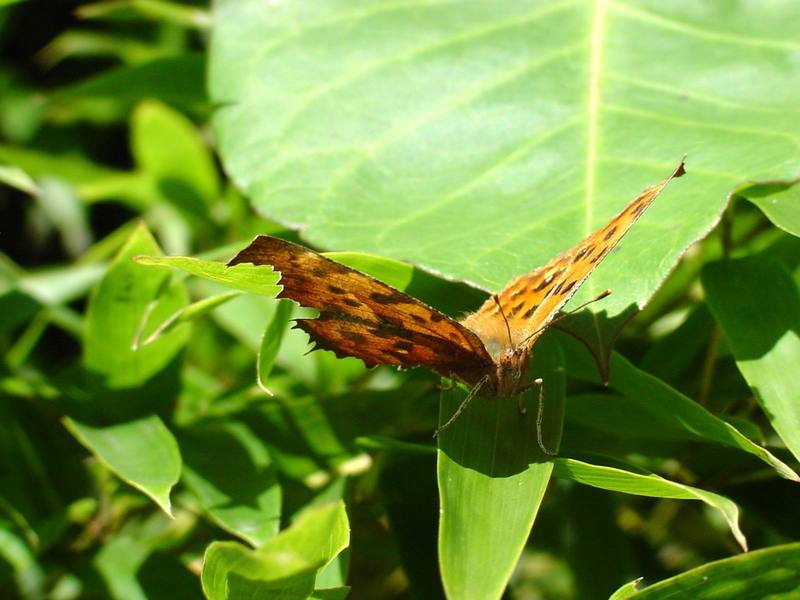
<point>142,453</point>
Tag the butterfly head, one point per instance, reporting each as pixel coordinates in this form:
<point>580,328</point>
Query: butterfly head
<point>511,372</point>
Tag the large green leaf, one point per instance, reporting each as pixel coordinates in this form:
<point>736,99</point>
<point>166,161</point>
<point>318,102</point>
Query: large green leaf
<point>478,139</point>
<point>757,304</point>
<point>492,478</point>
<point>768,573</point>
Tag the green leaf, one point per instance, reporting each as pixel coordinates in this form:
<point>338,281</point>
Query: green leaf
<point>339,593</point>
<point>657,409</point>
<point>780,201</point>
<point>167,146</point>
<point>18,179</point>
<point>188,314</point>
<point>618,480</point>
<point>167,12</point>
<point>116,313</point>
<point>395,273</point>
<point>230,471</point>
<point>284,567</point>
<point>256,279</point>
<point>142,453</point>
<point>757,304</point>
<point>28,573</point>
<point>492,477</point>
<point>271,342</point>
<point>66,214</point>
<point>132,567</point>
<point>91,181</point>
<point>481,139</point>
<point>766,573</point>
<point>176,80</point>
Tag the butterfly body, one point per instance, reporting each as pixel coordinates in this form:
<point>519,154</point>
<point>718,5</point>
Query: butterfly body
<point>488,350</point>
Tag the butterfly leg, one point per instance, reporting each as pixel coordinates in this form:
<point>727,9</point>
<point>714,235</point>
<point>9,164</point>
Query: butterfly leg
<point>472,393</point>
<point>540,419</point>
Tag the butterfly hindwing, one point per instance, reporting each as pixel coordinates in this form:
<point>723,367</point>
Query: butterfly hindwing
<point>530,302</point>
<point>363,317</point>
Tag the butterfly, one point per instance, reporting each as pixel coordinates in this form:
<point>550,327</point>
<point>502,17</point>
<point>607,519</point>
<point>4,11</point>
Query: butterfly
<point>489,350</point>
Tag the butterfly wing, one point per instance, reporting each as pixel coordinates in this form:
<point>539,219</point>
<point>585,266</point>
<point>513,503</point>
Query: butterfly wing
<point>363,317</point>
<point>531,301</point>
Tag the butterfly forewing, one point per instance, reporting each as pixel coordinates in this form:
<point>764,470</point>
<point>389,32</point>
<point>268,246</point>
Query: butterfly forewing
<point>363,317</point>
<point>531,301</point>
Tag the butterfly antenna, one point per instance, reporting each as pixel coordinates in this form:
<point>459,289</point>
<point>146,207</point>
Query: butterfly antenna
<point>472,393</point>
<point>508,327</point>
<point>564,315</point>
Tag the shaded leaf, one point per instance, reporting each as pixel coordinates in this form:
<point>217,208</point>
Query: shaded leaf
<point>660,410</point>
<point>757,304</point>
<point>177,80</point>
<point>780,201</point>
<point>231,472</point>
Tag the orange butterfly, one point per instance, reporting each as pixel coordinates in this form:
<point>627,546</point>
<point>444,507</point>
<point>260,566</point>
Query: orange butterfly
<point>489,350</point>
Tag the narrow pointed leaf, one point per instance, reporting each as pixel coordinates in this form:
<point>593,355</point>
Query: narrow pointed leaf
<point>492,477</point>
<point>618,480</point>
<point>271,342</point>
<point>768,573</point>
<point>659,409</point>
<point>245,277</point>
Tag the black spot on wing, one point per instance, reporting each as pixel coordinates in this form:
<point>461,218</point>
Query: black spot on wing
<point>516,308</point>
<point>529,313</point>
<point>547,280</point>
<point>610,233</point>
<point>387,298</point>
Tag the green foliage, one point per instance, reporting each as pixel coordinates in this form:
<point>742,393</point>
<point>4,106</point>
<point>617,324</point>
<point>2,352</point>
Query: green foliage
<point>164,432</point>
